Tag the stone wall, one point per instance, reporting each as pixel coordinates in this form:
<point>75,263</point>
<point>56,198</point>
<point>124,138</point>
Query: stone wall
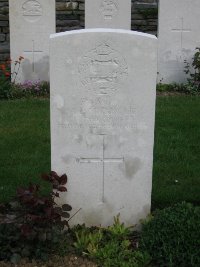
<point>70,16</point>
<point>4,30</point>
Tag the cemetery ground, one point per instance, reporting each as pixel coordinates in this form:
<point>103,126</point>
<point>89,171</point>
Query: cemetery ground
<point>25,147</point>
<point>25,154</point>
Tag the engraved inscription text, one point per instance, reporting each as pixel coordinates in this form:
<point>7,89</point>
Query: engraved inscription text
<point>99,116</point>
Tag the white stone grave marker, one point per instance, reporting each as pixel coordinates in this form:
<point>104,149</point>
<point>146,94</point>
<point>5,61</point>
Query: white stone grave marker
<point>102,121</point>
<point>31,23</point>
<point>179,35</point>
<point>108,14</point>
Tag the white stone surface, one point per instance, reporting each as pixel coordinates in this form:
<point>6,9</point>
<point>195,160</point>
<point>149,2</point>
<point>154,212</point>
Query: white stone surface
<point>102,121</point>
<point>31,23</point>
<point>179,35</point>
<point>108,14</point>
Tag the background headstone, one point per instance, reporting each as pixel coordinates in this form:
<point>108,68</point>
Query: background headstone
<point>179,35</point>
<point>31,23</point>
<point>102,121</point>
<point>71,16</point>
<point>108,14</point>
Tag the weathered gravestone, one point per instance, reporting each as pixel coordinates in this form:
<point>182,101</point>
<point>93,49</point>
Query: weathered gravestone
<point>102,121</point>
<point>179,35</point>
<point>108,14</point>
<point>31,23</point>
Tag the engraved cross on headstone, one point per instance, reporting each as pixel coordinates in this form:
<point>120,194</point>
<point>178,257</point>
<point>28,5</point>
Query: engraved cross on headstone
<point>33,51</point>
<point>102,160</point>
<point>182,30</point>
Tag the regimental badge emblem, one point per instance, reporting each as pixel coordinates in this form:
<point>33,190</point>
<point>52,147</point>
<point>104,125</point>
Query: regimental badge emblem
<point>109,8</point>
<point>102,69</point>
<point>32,10</point>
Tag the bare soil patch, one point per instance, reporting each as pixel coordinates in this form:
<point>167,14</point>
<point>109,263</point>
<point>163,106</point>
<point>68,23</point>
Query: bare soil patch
<point>55,261</point>
<point>170,93</point>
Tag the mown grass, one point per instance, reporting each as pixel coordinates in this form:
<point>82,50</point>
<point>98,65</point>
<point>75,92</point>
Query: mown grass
<point>176,175</point>
<point>25,147</point>
<point>24,144</point>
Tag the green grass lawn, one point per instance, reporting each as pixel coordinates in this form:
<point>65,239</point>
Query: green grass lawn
<point>25,147</point>
<point>24,143</point>
<point>176,175</point>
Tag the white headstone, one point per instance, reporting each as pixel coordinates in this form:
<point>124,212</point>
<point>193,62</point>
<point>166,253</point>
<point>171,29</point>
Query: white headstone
<point>108,14</point>
<point>102,121</point>
<point>31,23</point>
<point>179,35</point>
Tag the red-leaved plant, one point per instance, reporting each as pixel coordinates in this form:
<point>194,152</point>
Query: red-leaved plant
<point>37,221</point>
<point>40,211</point>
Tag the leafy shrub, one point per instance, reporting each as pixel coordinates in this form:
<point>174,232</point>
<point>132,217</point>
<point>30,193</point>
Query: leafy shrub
<point>193,70</point>
<point>191,89</point>
<point>192,86</point>
<point>172,237</point>
<point>32,224</point>
<point>109,247</point>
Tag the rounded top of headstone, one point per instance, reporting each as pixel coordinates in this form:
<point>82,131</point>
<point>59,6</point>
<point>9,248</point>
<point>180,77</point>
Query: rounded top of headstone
<point>103,30</point>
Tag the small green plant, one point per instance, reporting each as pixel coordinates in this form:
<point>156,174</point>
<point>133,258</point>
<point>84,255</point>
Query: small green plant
<point>118,228</point>
<point>32,225</point>
<point>82,240</point>
<point>120,254</point>
<point>172,236</point>
<point>110,247</point>
<point>87,242</point>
